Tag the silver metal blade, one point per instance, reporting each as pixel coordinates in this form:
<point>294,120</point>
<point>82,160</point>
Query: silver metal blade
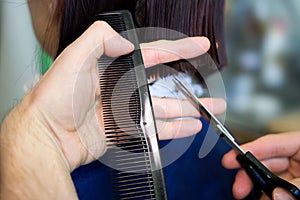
<point>208,116</point>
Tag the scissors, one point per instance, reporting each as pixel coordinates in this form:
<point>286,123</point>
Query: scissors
<point>261,176</point>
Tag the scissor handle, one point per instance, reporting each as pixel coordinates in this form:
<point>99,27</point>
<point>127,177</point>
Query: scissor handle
<point>263,177</point>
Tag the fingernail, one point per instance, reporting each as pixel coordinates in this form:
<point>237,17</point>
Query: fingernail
<point>203,42</point>
<point>206,42</point>
<point>281,194</point>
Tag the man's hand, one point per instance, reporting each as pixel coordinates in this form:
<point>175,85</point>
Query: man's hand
<point>279,152</point>
<point>58,126</point>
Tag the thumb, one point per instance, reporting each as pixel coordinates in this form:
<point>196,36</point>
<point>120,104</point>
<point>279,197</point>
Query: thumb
<point>282,194</point>
<point>82,56</point>
<point>97,40</point>
<point>101,38</point>
<point>65,96</point>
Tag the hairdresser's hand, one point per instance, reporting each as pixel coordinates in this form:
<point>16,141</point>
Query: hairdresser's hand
<point>81,121</point>
<point>166,109</point>
<point>164,51</point>
<point>186,117</point>
<point>65,102</point>
<point>279,152</point>
<point>58,126</point>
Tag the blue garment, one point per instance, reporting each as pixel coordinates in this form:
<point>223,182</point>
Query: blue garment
<point>188,177</point>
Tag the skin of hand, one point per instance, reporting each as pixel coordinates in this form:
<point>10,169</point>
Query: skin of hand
<point>44,16</point>
<point>279,152</point>
<point>46,137</point>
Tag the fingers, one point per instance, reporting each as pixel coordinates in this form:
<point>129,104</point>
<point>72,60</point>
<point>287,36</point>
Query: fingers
<point>242,185</point>
<point>177,108</point>
<point>280,193</point>
<point>81,56</point>
<point>178,118</point>
<point>277,165</point>
<point>66,95</point>
<point>267,147</point>
<point>216,106</point>
<point>229,160</point>
<point>164,51</point>
<point>177,128</point>
<point>275,145</point>
<point>279,153</point>
<point>101,38</point>
<point>73,74</point>
<point>97,40</point>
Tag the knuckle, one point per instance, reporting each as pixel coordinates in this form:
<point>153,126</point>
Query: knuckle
<point>99,25</point>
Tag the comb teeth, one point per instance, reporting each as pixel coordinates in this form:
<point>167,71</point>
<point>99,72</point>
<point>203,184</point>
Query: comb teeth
<point>135,163</point>
<point>133,178</point>
<point>134,186</point>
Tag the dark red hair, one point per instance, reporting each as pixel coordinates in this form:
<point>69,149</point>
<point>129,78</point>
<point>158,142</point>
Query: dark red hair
<point>190,17</point>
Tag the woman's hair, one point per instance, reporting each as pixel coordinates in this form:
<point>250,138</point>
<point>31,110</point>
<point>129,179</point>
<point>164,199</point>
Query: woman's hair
<point>78,15</point>
<point>190,17</point>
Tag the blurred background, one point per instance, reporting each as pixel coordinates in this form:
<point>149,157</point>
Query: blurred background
<point>18,54</point>
<point>261,80</point>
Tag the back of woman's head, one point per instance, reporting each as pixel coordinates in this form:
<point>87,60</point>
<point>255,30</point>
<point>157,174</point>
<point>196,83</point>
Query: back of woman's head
<point>190,17</point>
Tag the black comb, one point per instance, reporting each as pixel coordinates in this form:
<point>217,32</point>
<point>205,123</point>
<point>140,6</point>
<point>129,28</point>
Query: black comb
<point>130,129</point>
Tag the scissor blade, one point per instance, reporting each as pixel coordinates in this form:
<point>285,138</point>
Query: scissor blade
<point>208,116</point>
<point>259,174</point>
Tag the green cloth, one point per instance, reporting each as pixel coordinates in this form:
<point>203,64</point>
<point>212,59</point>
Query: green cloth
<point>45,62</point>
